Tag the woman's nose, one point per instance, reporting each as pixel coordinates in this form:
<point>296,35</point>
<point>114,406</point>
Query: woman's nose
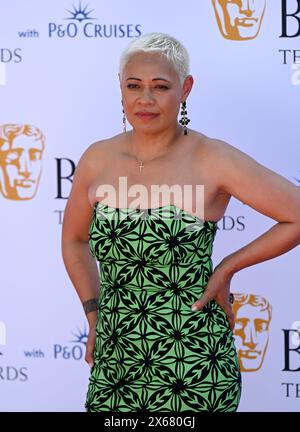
<point>146,96</point>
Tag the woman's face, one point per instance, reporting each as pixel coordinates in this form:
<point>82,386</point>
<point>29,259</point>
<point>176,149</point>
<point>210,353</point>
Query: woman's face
<point>151,92</point>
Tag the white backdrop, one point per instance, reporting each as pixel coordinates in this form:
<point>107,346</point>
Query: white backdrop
<point>58,73</point>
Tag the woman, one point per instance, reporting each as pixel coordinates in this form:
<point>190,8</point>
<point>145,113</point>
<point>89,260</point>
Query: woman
<point>160,336</point>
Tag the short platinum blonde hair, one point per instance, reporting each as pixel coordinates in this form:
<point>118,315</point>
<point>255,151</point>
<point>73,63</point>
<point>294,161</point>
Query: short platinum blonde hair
<point>163,43</point>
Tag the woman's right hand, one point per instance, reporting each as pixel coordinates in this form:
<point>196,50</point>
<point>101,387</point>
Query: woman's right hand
<point>90,346</point>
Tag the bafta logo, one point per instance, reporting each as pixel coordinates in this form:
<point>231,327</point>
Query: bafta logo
<point>253,314</point>
<point>239,19</point>
<point>21,152</point>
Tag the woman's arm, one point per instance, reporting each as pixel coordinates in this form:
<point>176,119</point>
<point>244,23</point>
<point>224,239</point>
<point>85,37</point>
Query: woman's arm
<point>267,192</point>
<point>270,194</point>
<point>79,262</point>
<point>82,270</point>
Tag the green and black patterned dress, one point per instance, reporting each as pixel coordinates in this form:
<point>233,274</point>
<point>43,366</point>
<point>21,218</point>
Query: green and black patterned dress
<point>153,353</point>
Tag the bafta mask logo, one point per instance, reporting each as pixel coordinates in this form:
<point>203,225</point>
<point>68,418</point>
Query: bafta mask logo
<point>239,19</point>
<point>253,314</point>
<point>21,152</point>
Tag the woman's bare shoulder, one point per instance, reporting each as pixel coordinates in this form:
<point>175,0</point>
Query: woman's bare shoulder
<point>208,151</point>
<point>214,147</point>
<point>99,151</point>
<point>216,157</point>
<point>242,176</point>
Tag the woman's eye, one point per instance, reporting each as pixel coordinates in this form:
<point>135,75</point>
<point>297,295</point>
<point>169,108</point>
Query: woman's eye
<point>135,86</point>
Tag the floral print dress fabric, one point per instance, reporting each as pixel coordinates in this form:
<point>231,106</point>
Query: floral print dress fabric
<point>152,352</point>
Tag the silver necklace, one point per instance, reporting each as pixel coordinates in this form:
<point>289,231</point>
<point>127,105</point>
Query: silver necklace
<point>141,166</point>
<point>140,161</point>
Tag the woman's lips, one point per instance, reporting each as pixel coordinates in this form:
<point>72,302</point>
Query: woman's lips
<point>145,115</point>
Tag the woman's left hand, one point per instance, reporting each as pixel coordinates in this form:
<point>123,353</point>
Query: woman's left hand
<point>218,289</point>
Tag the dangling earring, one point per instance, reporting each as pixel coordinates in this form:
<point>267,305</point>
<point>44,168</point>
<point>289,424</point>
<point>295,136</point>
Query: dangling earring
<point>184,121</point>
<point>124,119</point>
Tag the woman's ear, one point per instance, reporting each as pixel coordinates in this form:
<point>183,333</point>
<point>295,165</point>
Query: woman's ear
<point>187,86</point>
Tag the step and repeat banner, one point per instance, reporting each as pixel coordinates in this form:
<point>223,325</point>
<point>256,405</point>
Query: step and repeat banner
<point>59,93</point>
